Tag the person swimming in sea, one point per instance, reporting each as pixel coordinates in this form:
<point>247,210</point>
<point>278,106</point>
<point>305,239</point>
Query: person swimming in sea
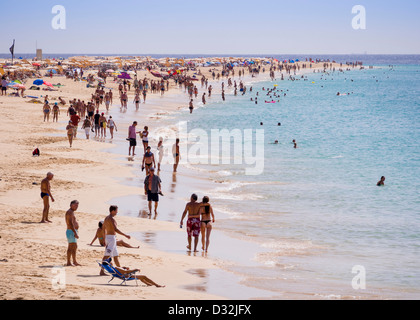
<point>381,182</point>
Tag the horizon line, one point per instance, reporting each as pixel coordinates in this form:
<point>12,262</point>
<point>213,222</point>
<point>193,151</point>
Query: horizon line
<point>202,54</point>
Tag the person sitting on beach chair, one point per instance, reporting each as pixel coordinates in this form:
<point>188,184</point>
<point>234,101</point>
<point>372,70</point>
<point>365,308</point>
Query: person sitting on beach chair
<point>125,273</point>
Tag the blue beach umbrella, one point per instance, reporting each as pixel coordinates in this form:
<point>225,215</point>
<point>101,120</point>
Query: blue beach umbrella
<point>38,82</point>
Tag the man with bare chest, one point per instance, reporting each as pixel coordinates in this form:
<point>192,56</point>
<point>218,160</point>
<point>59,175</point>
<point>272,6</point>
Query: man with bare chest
<point>193,221</point>
<point>110,229</point>
<point>46,195</point>
<point>72,233</point>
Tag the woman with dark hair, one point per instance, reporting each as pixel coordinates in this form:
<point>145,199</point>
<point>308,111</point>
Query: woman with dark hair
<point>207,218</point>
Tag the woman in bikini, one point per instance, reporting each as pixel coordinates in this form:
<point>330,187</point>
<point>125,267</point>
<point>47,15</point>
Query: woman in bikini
<point>112,126</point>
<point>207,218</point>
<point>70,133</point>
<point>137,100</point>
<point>46,109</point>
<point>160,150</point>
<point>56,112</point>
<point>144,137</point>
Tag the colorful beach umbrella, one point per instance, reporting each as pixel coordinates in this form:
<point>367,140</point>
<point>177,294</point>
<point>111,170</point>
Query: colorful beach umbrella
<point>18,86</point>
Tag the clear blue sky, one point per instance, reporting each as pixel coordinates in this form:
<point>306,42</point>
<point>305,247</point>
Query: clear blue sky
<point>212,27</point>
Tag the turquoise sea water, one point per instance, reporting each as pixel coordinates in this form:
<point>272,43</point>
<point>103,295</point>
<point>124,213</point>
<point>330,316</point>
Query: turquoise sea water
<point>314,216</point>
<point>316,211</point>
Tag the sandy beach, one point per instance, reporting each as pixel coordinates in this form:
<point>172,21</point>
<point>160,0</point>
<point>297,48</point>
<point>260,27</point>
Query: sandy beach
<point>34,253</point>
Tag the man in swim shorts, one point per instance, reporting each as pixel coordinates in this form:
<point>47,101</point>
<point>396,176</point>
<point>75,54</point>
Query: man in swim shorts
<point>132,137</point>
<point>45,196</point>
<point>72,233</point>
<point>110,229</point>
<point>152,189</point>
<point>193,221</point>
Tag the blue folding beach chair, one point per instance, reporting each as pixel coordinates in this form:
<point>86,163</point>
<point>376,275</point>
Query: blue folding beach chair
<point>114,273</point>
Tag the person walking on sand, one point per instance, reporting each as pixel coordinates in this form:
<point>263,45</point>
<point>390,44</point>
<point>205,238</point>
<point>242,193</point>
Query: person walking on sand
<point>70,134</point>
<point>193,221</point>
<point>72,233</point>
<point>148,160</point>
<point>111,230</point>
<point>132,137</point>
<point>152,189</point>
<point>107,101</point>
<point>145,137</point>
<point>86,126</point>
<point>102,125</point>
<point>112,126</point>
<point>45,196</point>
<point>96,118</point>
<point>75,119</point>
<point>175,153</point>
<point>137,100</point>
<point>207,218</point>
<point>46,109</point>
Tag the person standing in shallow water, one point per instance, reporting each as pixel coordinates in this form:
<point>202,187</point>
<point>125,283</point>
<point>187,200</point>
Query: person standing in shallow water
<point>152,189</point>
<point>193,221</point>
<point>191,106</point>
<point>207,218</point>
<point>132,138</point>
<point>175,153</point>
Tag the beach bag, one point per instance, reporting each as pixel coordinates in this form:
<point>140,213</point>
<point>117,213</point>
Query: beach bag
<point>36,152</point>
